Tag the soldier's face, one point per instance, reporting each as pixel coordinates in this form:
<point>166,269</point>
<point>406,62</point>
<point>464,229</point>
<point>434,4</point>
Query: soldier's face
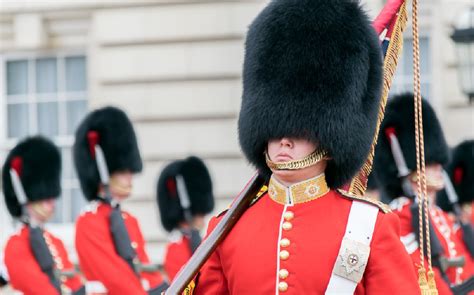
<point>434,179</point>
<point>293,149</point>
<point>42,210</point>
<point>289,149</point>
<point>121,184</point>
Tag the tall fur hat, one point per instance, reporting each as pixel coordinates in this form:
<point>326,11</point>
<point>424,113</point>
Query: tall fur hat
<point>198,186</point>
<point>313,70</point>
<point>399,115</point>
<point>38,163</point>
<point>461,173</point>
<point>117,139</point>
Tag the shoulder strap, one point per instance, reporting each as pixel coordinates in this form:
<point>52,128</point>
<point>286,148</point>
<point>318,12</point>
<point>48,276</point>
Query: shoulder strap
<point>355,249</point>
<point>43,255</point>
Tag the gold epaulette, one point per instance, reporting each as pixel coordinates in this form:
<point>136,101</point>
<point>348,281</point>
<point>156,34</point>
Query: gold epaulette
<point>257,197</point>
<point>383,207</point>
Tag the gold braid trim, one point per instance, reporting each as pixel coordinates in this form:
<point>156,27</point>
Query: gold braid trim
<point>359,182</point>
<point>307,161</point>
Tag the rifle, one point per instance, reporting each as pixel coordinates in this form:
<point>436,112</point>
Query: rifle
<point>466,227</point>
<point>222,229</point>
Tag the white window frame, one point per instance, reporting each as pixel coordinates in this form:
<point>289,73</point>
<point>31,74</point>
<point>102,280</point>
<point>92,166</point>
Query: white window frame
<point>405,79</point>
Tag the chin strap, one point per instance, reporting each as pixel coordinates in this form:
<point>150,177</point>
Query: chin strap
<point>310,160</point>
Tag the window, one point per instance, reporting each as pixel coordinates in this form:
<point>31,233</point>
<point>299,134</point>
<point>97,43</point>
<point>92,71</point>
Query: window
<point>47,95</point>
<point>403,80</point>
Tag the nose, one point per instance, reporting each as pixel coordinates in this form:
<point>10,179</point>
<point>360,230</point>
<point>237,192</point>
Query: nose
<point>286,142</point>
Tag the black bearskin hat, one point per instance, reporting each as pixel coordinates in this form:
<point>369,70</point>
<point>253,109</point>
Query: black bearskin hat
<point>461,173</point>
<point>400,118</point>
<point>198,186</point>
<point>38,163</point>
<point>115,135</point>
<point>313,70</point>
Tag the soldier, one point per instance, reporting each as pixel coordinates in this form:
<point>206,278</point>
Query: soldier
<point>109,242</point>
<point>311,89</point>
<point>398,126</point>
<point>184,194</point>
<point>461,174</point>
<point>36,260</point>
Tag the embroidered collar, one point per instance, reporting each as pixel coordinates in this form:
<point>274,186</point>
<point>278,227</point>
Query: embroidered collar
<point>300,192</point>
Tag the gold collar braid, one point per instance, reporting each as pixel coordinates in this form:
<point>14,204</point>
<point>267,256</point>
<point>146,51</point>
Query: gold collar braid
<point>301,192</point>
<point>310,160</point>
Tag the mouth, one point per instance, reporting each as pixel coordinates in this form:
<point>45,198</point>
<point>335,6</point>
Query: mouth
<point>283,157</point>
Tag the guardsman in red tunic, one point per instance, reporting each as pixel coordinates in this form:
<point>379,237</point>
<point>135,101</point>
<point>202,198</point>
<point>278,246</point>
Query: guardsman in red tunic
<point>311,92</point>
<point>398,124</point>
<point>461,173</point>
<point>36,260</point>
<point>184,194</point>
<point>109,242</point>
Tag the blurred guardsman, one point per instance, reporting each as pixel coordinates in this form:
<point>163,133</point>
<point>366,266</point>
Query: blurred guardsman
<point>311,92</point>
<point>37,261</point>
<point>461,174</point>
<point>184,194</point>
<point>109,242</point>
<point>397,129</point>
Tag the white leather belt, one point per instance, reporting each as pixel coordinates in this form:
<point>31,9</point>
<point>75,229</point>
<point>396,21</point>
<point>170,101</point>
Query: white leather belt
<point>355,249</point>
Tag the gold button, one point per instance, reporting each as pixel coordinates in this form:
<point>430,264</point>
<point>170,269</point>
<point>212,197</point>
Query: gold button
<point>282,286</point>
<point>283,273</point>
<point>284,242</point>
<point>287,225</point>
<point>284,255</point>
<point>134,245</point>
<point>288,215</point>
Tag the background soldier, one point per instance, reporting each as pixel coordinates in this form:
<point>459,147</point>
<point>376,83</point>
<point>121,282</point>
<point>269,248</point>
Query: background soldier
<point>399,126</point>
<point>461,174</point>
<point>37,261</point>
<point>312,83</point>
<point>109,241</point>
<point>184,194</point>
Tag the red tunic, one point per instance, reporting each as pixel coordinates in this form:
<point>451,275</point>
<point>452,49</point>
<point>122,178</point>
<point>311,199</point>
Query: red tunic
<point>177,254</point>
<point>448,236</point>
<point>24,271</point>
<point>97,256</point>
<point>249,260</point>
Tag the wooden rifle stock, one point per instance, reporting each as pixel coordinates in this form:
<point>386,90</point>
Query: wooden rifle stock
<point>204,251</point>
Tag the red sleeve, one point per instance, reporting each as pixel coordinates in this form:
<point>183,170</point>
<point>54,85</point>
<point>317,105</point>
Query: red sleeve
<point>211,279</point>
<point>154,278</point>
<point>74,283</point>
<point>177,254</point>
<point>99,260</point>
<point>25,273</point>
<point>389,268</point>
